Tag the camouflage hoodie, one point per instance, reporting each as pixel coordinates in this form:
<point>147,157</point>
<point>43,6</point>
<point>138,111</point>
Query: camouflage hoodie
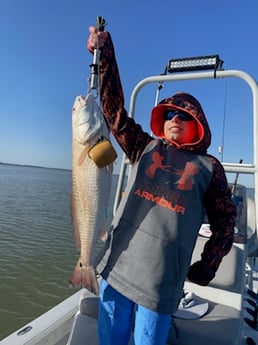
<point>149,248</point>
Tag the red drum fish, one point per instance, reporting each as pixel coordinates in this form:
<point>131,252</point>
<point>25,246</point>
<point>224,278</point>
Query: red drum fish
<point>91,187</point>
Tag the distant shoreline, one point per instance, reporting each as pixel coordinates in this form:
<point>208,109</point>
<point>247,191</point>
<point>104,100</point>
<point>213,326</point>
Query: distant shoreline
<point>32,166</point>
<point>37,166</point>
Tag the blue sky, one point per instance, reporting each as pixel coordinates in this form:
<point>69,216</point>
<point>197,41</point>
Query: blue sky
<point>44,65</point>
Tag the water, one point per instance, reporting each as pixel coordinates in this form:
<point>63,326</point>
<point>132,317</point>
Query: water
<point>36,243</point>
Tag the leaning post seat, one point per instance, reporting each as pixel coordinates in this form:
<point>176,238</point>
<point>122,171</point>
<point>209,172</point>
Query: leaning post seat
<point>223,322</point>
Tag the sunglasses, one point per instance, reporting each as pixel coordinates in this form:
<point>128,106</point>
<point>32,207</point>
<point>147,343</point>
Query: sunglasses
<point>170,114</point>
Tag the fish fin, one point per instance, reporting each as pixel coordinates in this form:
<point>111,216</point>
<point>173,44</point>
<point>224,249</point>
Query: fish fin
<point>89,279</point>
<point>76,233</point>
<point>75,280</point>
<point>103,235</point>
<point>84,276</point>
<point>110,167</point>
<point>83,154</point>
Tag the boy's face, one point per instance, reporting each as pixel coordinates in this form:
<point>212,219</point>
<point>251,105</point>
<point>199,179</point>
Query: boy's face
<point>181,131</point>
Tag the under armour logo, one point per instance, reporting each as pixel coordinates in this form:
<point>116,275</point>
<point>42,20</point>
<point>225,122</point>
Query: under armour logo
<point>185,181</point>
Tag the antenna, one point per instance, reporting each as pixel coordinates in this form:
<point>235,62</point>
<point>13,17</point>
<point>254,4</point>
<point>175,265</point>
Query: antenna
<point>221,147</point>
<point>235,182</point>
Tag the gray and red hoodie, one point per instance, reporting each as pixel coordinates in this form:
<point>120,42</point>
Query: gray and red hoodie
<point>148,252</point>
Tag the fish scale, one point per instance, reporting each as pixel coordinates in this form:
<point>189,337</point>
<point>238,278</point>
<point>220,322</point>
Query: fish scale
<point>91,190</point>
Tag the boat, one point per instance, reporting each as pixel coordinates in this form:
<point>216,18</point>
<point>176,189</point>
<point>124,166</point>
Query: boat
<point>226,311</point>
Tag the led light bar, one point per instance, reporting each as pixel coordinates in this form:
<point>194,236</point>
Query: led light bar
<point>195,64</point>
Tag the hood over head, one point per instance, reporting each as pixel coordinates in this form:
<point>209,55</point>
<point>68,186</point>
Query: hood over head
<point>187,103</point>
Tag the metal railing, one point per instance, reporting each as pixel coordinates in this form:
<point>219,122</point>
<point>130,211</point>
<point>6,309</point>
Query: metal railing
<point>186,76</point>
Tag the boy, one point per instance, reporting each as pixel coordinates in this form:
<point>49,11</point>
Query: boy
<point>172,183</point>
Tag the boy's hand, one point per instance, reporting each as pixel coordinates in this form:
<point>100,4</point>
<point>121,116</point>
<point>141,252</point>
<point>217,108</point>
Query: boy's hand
<point>96,39</point>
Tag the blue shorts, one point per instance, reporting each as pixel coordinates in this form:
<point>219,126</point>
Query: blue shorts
<point>116,317</point>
